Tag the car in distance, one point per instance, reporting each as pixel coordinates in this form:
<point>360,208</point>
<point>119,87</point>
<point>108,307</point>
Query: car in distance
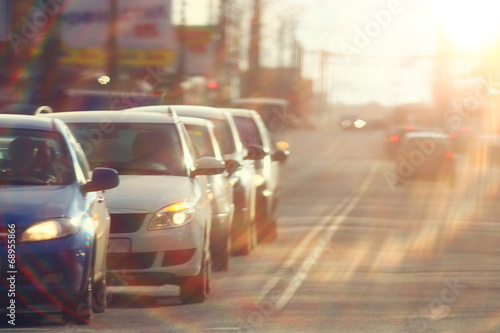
<point>425,156</point>
<point>161,212</point>
<point>253,132</point>
<point>54,224</point>
<point>202,134</point>
<point>243,231</point>
<point>274,113</point>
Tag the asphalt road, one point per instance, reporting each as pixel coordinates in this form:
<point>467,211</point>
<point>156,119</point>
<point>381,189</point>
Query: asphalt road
<point>354,254</point>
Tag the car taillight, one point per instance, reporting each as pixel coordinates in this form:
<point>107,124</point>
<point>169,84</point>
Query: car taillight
<point>449,155</point>
<point>394,138</point>
<point>464,129</point>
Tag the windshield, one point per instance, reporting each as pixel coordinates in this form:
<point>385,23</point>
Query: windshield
<point>132,148</point>
<point>30,157</point>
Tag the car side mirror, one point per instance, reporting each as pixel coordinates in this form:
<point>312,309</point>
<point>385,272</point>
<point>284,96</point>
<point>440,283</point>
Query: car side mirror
<point>255,153</point>
<point>280,155</point>
<point>207,166</point>
<point>102,179</point>
<point>232,166</point>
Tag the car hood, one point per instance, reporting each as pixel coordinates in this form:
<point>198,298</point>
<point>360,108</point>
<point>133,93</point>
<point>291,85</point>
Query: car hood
<point>147,194</point>
<point>23,205</point>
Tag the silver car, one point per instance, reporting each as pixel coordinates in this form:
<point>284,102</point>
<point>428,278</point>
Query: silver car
<point>243,231</point>
<point>161,211</point>
<point>202,133</point>
<point>253,131</point>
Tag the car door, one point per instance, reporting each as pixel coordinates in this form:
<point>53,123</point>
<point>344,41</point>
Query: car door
<point>94,205</point>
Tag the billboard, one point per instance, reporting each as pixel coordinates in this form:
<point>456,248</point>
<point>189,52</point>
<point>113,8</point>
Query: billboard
<point>144,33</point>
<point>85,32</point>
<point>199,48</point>
<point>4,20</point>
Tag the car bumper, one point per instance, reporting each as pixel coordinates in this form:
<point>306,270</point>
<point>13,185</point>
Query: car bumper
<point>46,272</point>
<point>167,253</point>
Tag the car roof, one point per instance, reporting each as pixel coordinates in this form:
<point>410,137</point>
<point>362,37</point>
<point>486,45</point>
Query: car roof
<point>426,135</point>
<point>26,122</point>
<point>241,112</point>
<point>260,100</point>
<point>199,111</point>
<point>123,116</point>
<point>194,121</point>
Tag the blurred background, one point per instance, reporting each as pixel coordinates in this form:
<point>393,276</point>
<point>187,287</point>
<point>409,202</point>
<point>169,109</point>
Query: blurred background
<point>328,58</point>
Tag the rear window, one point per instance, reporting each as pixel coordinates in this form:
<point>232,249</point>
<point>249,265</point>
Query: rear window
<point>429,146</point>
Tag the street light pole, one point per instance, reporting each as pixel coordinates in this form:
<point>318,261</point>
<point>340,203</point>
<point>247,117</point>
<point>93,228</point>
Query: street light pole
<point>181,63</point>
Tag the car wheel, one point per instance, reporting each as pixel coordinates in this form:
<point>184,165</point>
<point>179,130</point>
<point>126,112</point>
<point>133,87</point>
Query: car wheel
<point>451,181</point>
<point>99,294</point>
<point>243,237</point>
<point>253,235</point>
<point>221,253</point>
<point>79,310</point>
<point>269,232</point>
<point>195,289</point>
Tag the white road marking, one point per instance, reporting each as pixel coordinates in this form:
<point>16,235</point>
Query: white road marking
<point>312,259</point>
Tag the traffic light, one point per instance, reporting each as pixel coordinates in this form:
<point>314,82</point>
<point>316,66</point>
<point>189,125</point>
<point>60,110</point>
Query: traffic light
<point>212,85</point>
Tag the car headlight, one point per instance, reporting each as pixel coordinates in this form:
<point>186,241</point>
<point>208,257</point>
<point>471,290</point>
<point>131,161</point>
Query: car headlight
<point>258,180</point>
<point>49,229</point>
<point>175,215</point>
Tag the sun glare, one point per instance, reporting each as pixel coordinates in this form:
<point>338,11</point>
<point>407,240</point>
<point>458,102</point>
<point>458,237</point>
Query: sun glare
<point>470,24</point>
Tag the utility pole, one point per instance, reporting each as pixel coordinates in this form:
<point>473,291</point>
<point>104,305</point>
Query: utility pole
<point>254,52</point>
<point>221,51</point>
<point>112,48</point>
<point>177,92</point>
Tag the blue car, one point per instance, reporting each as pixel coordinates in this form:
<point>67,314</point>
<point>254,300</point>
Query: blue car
<point>54,224</point>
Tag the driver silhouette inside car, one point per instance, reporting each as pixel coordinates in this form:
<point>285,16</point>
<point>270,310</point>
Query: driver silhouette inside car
<point>27,160</point>
<point>154,151</point>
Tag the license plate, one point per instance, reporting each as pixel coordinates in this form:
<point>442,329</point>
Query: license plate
<point>119,245</point>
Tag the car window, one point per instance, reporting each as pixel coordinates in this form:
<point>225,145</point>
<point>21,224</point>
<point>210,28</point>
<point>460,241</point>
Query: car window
<point>201,140</point>
<point>249,133</point>
<point>31,157</point>
<point>132,148</point>
<point>429,146</point>
<point>224,136</point>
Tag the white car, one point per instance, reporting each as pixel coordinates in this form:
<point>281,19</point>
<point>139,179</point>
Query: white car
<point>243,231</point>
<point>253,131</point>
<point>161,211</point>
<point>205,144</point>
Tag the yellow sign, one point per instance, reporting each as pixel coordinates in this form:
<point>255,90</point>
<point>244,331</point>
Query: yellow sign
<point>147,57</point>
<point>96,57</point>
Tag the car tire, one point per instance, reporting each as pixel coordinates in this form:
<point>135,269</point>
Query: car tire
<point>100,296</point>
<point>270,231</point>
<point>195,289</point>
<point>221,254</point>
<point>242,241</point>
<point>79,310</point>
<point>451,181</point>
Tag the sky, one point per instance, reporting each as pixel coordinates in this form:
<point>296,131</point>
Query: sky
<point>379,50</point>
